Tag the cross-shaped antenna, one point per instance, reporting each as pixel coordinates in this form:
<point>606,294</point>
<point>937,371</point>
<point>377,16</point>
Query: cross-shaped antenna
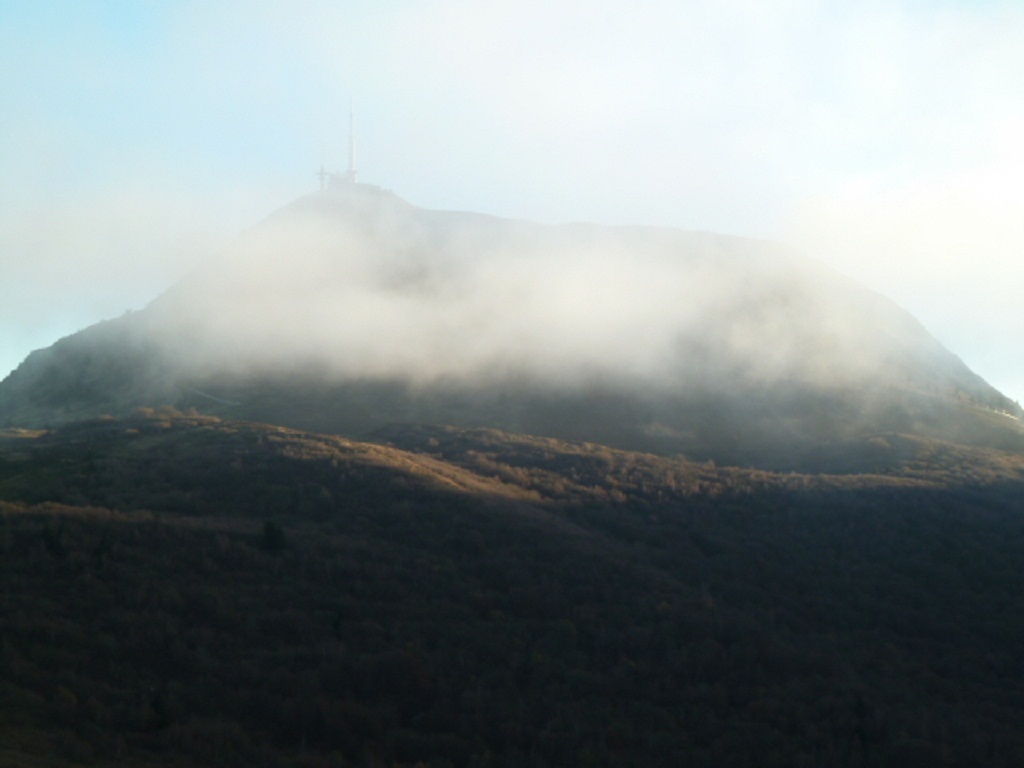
<point>323,174</point>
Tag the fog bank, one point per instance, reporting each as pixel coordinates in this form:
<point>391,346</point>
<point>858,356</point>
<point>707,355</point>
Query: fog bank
<point>356,283</point>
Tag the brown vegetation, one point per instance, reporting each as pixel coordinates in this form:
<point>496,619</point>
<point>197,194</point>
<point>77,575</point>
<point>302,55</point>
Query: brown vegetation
<point>179,590</point>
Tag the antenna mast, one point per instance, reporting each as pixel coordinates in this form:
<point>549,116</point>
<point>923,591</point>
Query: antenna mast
<point>351,150</point>
<point>338,180</point>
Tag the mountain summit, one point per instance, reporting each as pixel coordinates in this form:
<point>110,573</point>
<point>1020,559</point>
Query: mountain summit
<point>351,309</point>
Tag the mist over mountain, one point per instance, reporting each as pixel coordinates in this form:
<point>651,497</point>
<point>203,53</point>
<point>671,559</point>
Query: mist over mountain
<point>350,309</point>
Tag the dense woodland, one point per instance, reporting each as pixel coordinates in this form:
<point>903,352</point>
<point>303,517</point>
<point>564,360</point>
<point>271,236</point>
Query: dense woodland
<point>179,590</point>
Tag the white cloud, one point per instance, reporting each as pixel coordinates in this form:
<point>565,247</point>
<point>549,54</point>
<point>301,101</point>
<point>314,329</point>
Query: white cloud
<point>948,247</point>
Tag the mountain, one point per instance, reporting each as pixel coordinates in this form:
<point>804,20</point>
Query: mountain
<point>364,491</point>
<point>351,309</point>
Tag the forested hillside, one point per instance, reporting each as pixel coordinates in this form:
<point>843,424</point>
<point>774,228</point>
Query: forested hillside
<point>180,590</point>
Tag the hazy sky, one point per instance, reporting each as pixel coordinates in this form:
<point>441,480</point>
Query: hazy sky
<point>884,138</point>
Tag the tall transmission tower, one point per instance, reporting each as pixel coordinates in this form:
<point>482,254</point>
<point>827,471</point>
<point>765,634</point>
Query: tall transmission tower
<point>350,175</point>
<point>336,180</point>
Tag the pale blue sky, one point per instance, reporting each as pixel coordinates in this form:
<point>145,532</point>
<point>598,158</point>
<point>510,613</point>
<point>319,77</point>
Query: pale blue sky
<point>886,139</point>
